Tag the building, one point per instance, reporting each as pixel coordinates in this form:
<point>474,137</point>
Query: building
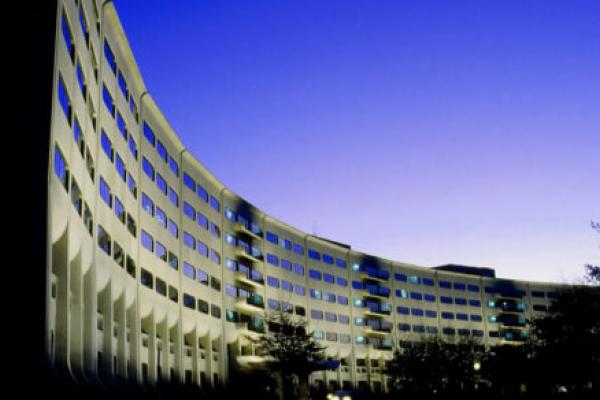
<point>155,270</point>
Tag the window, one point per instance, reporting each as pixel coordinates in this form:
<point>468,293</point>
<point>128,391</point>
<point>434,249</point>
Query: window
<point>161,217</point>
<point>299,290</point>
<point>161,150</point>
<point>400,277</point>
<point>147,241</point>
<point>229,214</point>
<point>147,204</point>
<point>447,315</point>
<point>119,210</point>
<point>149,134</point>
<point>60,167</point>
<point>446,299</point>
<point>460,301</point>
<point>286,264</point>
<point>445,284</point>
<point>78,137</point>
<point>173,261</point>
<point>402,310</point>
<point>104,241</point>
<point>146,278</point>
<point>173,166</point>
<point>473,288</point>
<point>272,259</point>
<point>316,314</point>
<point>202,277</point>
<point>108,100</point>
<point>475,303</point>
<point>416,296</point>
<point>476,318</point>
<point>202,306</point>
<point>202,248</point>
<point>189,241</point>
<point>271,237</point>
<point>131,226</point>
<point>105,192</point>
<point>272,281</point>
<point>148,168</point>
<point>173,229</point>
<point>215,284</point>
<point>315,294</point>
<point>84,26</point>
<point>132,147</point>
<point>120,166</point>
<point>161,183</point>
<point>189,270</point>
<point>173,197</point>
<point>64,100</point>
<point>298,269</point>
<point>327,259</point>
<point>342,300</point>
<point>314,274</point>
<point>161,287</point>
<point>414,280</point>
<point>123,85</point>
<point>273,304</point>
<point>298,249</point>
<point>459,286</point>
<point>106,145</point>
<point>202,193</point>
<point>342,281</point>
<point>286,285</point>
<point>110,57</point>
<point>214,203</point>
<point>431,313</point>
<point>76,196</point>
<point>427,282</point>
<point>215,256</point>
<point>189,211</point>
<point>429,297</point>
<point>189,301</point>
<point>68,37</point>
<point>340,263</point>
<point>315,255</point>
<point>328,278</point>
<point>81,80</point>
<point>214,230</point>
<point>161,251</point>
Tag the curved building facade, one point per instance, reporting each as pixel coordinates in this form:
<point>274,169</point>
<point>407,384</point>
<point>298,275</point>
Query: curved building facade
<point>157,271</point>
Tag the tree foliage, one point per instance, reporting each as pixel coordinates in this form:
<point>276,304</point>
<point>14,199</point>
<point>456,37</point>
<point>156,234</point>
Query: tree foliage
<point>433,367</point>
<point>292,349</point>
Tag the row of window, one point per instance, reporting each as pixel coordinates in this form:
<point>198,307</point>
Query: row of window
<point>196,244</point>
<point>118,73</point>
<point>326,258</point>
<point>113,202</point>
<point>416,280</point>
<point>201,192</point>
<point>205,223</point>
<point>331,336</point>
<point>247,222</point>
<point>329,316</point>
<point>329,278</point>
<point>285,264</point>
<point>403,327</point>
<point>161,183</point>
<point>116,159</point>
<point>284,243</point>
<point>328,297</point>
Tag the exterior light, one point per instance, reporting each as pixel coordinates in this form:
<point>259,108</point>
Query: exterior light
<point>476,365</point>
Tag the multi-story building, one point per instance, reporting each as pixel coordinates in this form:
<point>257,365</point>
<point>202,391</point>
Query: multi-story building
<point>155,270</point>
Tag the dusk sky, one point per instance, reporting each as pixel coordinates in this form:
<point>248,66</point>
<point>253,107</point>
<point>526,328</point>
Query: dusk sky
<point>427,132</point>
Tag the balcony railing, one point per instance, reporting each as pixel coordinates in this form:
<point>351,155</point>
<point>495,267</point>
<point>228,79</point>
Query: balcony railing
<point>250,277</point>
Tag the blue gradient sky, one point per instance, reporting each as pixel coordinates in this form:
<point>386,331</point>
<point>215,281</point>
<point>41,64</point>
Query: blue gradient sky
<point>422,131</point>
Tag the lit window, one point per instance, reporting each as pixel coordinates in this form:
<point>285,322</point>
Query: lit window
<point>106,145</point>
<point>173,166</point>
<point>81,80</point>
<point>119,210</point>
<point>147,241</point>
<point>161,183</point>
<point>123,85</point>
<point>64,100</point>
<point>60,168</point>
<point>202,194</point>
<point>108,100</point>
<point>149,135</point>
<point>68,37</point>
<point>132,185</point>
<point>214,203</point>
<point>173,197</point>
<point>120,166</point>
<point>161,150</point>
<point>189,241</point>
<point>161,217</point>
<point>189,182</point>
<point>121,125</point>
<point>148,168</point>
<point>110,57</point>
<point>105,192</point>
<point>173,229</point>
<point>147,204</point>
<point>132,147</point>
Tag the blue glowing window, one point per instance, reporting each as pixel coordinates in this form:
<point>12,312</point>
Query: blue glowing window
<point>272,281</point>
<point>110,57</point>
<point>427,282</point>
<point>445,284</point>
<point>460,301</point>
<point>327,259</point>
<point>341,281</point>
<point>286,264</point>
<point>328,278</point>
<point>298,269</point>
<point>161,150</point>
<point>417,312</point>
<point>189,211</point>
<point>271,237</point>
<point>173,197</point>
<point>340,263</point>
<point>342,300</point>
<point>447,315</point>
<point>429,297</point>
<point>416,296</point>
<point>105,192</point>
<point>202,193</point>
<point>106,145</point>
<point>400,277</point>
<point>462,317</point>
<point>431,313</point>
<point>81,80</point>
<point>214,203</point>
<point>60,167</point>
<point>202,220</point>
<point>174,166</point>
<point>473,288</point>
<point>189,241</point>
<point>402,310</point>
<point>68,37</point>
<point>459,286</point>
<point>287,286</point>
<point>149,135</point>
<point>148,168</point>
<point>446,299</point>
<point>273,259</point>
<point>202,248</point>
<point>120,166</point>
<point>189,182</point>
<point>108,100</point>
<point>315,255</point>
<point>121,125</point>
<point>147,241</point>
<point>475,303</point>
<point>161,183</point>
<point>298,249</point>
<point>299,290</point>
<point>314,274</point>
<point>404,327</point>
<point>132,147</point>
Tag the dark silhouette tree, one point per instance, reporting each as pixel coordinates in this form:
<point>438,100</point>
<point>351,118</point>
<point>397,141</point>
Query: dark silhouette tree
<point>435,368</point>
<point>293,351</point>
<point>593,271</point>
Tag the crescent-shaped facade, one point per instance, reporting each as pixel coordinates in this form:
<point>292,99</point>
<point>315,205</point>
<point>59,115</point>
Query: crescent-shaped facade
<point>155,270</point>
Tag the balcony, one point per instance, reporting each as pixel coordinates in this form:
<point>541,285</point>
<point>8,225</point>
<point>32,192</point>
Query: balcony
<point>253,304</point>
<point>247,254</point>
<point>242,228</point>
<point>374,274</point>
<point>378,292</point>
<point>250,277</point>
<point>377,310</point>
